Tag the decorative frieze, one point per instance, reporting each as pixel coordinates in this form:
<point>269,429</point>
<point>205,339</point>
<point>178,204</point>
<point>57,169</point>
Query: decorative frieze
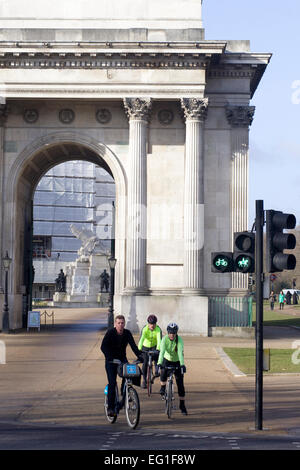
<point>66,116</point>
<point>240,116</point>
<point>30,115</point>
<point>103,116</point>
<point>165,116</point>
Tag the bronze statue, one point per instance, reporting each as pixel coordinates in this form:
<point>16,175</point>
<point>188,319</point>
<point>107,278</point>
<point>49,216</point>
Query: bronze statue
<point>104,281</point>
<point>60,282</point>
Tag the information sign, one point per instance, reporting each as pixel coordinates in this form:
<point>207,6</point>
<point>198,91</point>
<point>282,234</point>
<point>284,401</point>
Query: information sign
<point>34,320</point>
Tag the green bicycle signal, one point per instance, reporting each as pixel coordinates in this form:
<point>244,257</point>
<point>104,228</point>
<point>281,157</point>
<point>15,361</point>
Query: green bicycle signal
<point>221,262</point>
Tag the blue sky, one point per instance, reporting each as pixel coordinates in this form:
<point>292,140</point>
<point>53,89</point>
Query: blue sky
<point>271,26</point>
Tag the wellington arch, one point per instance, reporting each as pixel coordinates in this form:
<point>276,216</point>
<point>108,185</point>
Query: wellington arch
<point>140,92</point>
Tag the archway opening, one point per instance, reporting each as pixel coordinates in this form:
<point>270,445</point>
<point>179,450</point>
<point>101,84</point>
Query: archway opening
<point>63,189</point>
<point>72,202</point>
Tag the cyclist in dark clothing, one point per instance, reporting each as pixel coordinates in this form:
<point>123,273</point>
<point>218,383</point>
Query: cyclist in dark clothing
<point>114,346</point>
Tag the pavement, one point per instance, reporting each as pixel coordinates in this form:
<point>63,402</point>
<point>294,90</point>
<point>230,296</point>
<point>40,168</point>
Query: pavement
<point>56,377</point>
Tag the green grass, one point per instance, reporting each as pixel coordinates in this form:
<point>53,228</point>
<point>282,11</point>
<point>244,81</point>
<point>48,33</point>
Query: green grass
<point>276,317</point>
<point>281,360</point>
<point>39,303</point>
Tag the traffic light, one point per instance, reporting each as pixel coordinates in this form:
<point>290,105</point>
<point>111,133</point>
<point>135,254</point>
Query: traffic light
<point>244,252</point>
<point>277,241</point>
<point>221,262</point>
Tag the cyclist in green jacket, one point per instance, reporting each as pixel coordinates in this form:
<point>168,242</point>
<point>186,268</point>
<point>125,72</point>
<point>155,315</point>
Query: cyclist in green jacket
<point>171,354</point>
<point>150,341</point>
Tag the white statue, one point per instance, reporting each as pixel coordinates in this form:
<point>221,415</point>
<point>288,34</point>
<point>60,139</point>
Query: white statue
<point>90,243</point>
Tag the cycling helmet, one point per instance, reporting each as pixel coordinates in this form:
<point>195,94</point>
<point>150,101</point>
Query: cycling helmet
<point>172,328</point>
<point>152,319</point>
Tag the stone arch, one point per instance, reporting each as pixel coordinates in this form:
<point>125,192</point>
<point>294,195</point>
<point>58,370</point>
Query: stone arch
<point>27,169</point>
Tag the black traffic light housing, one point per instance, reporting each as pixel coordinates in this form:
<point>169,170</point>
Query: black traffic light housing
<point>244,252</point>
<point>221,262</point>
<point>277,241</point>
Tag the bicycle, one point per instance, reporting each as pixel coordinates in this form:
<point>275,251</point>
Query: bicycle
<point>150,375</point>
<point>129,396</point>
<point>169,394</point>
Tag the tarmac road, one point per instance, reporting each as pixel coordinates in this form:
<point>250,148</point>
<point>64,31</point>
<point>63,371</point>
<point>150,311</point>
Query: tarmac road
<point>51,394</point>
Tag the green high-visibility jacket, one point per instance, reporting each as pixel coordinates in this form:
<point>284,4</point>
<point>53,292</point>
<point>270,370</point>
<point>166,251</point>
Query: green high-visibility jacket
<point>149,338</point>
<point>168,350</point>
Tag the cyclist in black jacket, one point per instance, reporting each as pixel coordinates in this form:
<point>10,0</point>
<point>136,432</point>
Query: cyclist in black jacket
<point>114,346</point>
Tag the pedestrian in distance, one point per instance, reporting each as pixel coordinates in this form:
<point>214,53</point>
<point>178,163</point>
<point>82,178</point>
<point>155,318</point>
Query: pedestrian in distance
<point>295,298</point>
<point>150,341</point>
<point>172,354</point>
<point>288,297</point>
<point>281,299</point>
<point>114,345</point>
<point>272,299</point>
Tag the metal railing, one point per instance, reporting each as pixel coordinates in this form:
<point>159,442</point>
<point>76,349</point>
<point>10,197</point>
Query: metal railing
<point>230,311</point>
<point>46,314</point>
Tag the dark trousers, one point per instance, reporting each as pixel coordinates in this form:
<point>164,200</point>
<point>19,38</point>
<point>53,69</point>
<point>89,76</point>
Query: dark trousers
<point>112,372</point>
<point>178,376</point>
<point>145,357</point>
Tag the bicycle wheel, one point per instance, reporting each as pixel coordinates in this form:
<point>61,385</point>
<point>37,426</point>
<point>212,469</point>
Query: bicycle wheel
<point>169,398</point>
<point>110,419</point>
<point>149,380</point>
<point>132,407</point>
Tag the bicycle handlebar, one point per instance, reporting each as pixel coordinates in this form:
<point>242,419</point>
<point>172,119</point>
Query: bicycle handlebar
<point>174,368</point>
<point>117,361</point>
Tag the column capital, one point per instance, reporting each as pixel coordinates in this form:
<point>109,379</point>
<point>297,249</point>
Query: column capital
<point>3,114</point>
<point>138,108</point>
<point>240,116</point>
<point>195,108</point>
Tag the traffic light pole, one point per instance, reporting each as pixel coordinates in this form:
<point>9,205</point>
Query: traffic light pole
<point>259,224</point>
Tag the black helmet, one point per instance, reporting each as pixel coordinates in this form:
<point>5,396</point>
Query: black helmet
<point>172,328</point>
<point>152,319</point>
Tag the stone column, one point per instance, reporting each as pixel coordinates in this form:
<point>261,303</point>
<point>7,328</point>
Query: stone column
<point>195,111</point>
<point>138,111</point>
<point>3,116</point>
<point>240,118</point>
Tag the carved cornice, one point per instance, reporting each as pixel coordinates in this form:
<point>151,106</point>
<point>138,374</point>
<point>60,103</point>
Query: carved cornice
<point>137,108</point>
<point>107,60</point>
<point>232,72</point>
<point>194,108</point>
<point>240,116</point>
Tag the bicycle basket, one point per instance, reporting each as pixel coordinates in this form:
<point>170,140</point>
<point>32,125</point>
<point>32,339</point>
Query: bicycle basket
<point>136,381</point>
<point>131,370</point>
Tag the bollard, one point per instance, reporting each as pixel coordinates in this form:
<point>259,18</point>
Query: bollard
<point>2,353</point>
